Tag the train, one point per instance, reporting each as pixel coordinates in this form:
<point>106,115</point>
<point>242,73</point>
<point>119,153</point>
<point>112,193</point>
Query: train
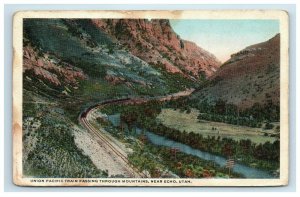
<point>84,113</point>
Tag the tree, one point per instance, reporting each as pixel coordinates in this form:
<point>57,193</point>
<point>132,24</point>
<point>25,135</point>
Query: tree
<point>220,107</point>
<point>227,149</point>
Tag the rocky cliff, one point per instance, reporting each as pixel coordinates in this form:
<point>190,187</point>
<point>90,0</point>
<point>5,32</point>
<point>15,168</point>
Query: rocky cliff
<point>155,42</point>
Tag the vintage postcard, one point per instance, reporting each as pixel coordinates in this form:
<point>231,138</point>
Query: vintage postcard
<point>150,98</point>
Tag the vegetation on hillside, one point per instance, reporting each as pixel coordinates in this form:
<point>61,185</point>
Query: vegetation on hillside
<point>49,149</point>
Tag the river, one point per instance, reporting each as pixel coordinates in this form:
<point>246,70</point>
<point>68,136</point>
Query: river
<point>246,171</point>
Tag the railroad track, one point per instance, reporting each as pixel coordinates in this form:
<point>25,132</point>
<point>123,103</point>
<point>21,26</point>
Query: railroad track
<point>84,121</point>
<point>135,172</point>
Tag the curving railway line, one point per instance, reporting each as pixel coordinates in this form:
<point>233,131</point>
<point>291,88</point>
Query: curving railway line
<point>83,119</point>
<point>104,140</point>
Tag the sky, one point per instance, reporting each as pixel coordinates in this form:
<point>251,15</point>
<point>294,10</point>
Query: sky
<point>225,37</point>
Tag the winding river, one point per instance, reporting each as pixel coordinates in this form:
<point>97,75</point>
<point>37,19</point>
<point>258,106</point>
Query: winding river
<point>246,171</point>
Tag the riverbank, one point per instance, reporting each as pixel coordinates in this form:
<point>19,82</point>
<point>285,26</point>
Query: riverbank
<point>157,159</point>
<point>243,151</point>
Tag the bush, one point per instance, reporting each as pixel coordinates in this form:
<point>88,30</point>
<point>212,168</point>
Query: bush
<point>269,126</point>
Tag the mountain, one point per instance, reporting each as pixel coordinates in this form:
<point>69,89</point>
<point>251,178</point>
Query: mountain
<point>155,42</point>
<point>139,56</point>
<point>69,65</point>
<point>249,77</point>
<point>71,45</point>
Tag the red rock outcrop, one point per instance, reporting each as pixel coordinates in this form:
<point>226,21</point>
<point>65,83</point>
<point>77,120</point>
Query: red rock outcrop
<point>49,69</point>
<point>155,42</point>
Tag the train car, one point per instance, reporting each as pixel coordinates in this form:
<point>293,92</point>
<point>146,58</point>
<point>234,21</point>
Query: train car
<point>84,114</point>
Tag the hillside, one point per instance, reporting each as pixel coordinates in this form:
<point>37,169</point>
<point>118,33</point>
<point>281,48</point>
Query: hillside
<point>155,42</point>
<point>120,54</point>
<point>249,77</point>
<point>68,65</point>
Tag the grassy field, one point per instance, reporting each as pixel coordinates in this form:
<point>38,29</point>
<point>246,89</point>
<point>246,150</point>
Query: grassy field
<point>188,122</point>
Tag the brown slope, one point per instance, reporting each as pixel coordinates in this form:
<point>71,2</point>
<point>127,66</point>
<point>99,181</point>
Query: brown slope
<point>156,43</point>
<point>249,76</point>
<point>49,68</point>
